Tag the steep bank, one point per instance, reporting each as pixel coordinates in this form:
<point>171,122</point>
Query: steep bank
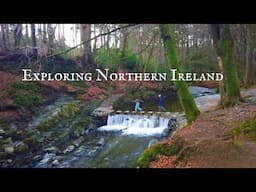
<point>208,142</point>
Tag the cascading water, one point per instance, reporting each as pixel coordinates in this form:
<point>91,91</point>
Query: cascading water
<point>140,125</point>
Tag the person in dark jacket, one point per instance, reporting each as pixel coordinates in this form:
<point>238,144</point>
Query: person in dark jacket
<point>161,103</point>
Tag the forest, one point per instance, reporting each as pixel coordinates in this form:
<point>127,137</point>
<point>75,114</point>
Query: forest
<point>122,122</point>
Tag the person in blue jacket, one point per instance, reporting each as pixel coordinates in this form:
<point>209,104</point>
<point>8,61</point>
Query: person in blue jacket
<point>137,105</point>
<point>161,103</point>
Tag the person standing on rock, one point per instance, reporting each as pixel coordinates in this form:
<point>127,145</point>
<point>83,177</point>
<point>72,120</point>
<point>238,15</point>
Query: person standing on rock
<point>161,103</point>
<point>137,105</point>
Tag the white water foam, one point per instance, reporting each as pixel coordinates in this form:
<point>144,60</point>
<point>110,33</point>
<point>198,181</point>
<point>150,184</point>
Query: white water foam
<point>140,125</point>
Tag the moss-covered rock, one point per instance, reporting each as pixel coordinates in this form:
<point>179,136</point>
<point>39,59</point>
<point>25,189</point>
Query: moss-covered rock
<point>8,130</point>
<point>69,110</point>
<point>66,113</point>
<point>47,124</point>
<point>32,139</point>
<point>161,148</point>
<point>78,127</point>
<point>150,154</point>
<point>20,147</point>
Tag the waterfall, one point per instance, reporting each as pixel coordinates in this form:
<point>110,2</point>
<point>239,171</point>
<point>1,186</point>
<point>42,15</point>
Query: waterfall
<point>141,125</point>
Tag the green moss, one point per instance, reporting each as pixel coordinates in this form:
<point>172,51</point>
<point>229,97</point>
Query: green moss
<point>226,52</point>
<point>78,127</point>
<point>79,84</point>
<point>26,100</point>
<point>67,112</point>
<point>248,128</point>
<point>32,140</point>
<point>9,131</point>
<point>159,148</point>
<point>47,124</point>
<point>29,86</point>
<point>186,99</point>
<point>84,122</point>
<point>4,124</point>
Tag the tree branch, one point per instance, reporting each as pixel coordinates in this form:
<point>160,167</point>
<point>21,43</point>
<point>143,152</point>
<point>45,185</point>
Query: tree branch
<point>83,42</point>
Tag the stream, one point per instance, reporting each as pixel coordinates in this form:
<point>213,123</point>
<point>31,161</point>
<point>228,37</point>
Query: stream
<point>117,144</point>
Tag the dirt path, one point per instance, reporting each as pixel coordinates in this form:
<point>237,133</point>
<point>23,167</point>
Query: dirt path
<point>209,142</point>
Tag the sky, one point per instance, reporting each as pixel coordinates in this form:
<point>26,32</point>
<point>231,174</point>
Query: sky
<point>69,35</point>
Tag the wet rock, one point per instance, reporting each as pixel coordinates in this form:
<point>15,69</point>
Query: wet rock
<point>77,142</point>
<point>46,158</point>
<point>8,141</point>
<point>69,149</point>
<point>79,151</point>
<point>3,155</point>
<point>101,141</point>
<point>9,160</point>
<point>197,91</point>
<point>55,162</point>
<point>52,149</point>
<point>20,147</point>
<point>2,132</point>
<point>37,157</point>
<point>9,149</point>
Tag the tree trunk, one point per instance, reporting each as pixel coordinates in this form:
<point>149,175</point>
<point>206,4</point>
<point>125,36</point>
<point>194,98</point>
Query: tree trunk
<point>17,35</point>
<point>124,42</point>
<point>185,97</point>
<point>33,38</point>
<point>51,33</point>
<point>85,36</point>
<point>224,47</point>
<point>5,37</point>
<point>248,68</point>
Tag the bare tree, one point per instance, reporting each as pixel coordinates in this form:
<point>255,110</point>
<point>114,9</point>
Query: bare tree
<point>85,30</point>
<point>33,37</point>
<point>17,35</point>
<point>5,37</point>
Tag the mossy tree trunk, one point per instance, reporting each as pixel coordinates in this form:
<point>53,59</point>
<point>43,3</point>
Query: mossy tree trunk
<point>186,99</point>
<point>224,47</point>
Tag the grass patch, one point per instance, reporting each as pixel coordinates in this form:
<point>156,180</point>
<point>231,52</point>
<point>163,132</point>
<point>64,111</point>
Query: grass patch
<point>159,148</point>
<point>247,128</point>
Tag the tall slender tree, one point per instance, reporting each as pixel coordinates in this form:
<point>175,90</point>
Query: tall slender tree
<point>17,35</point>
<point>5,37</point>
<point>85,31</point>
<point>186,99</point>
<point>33,37</point>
